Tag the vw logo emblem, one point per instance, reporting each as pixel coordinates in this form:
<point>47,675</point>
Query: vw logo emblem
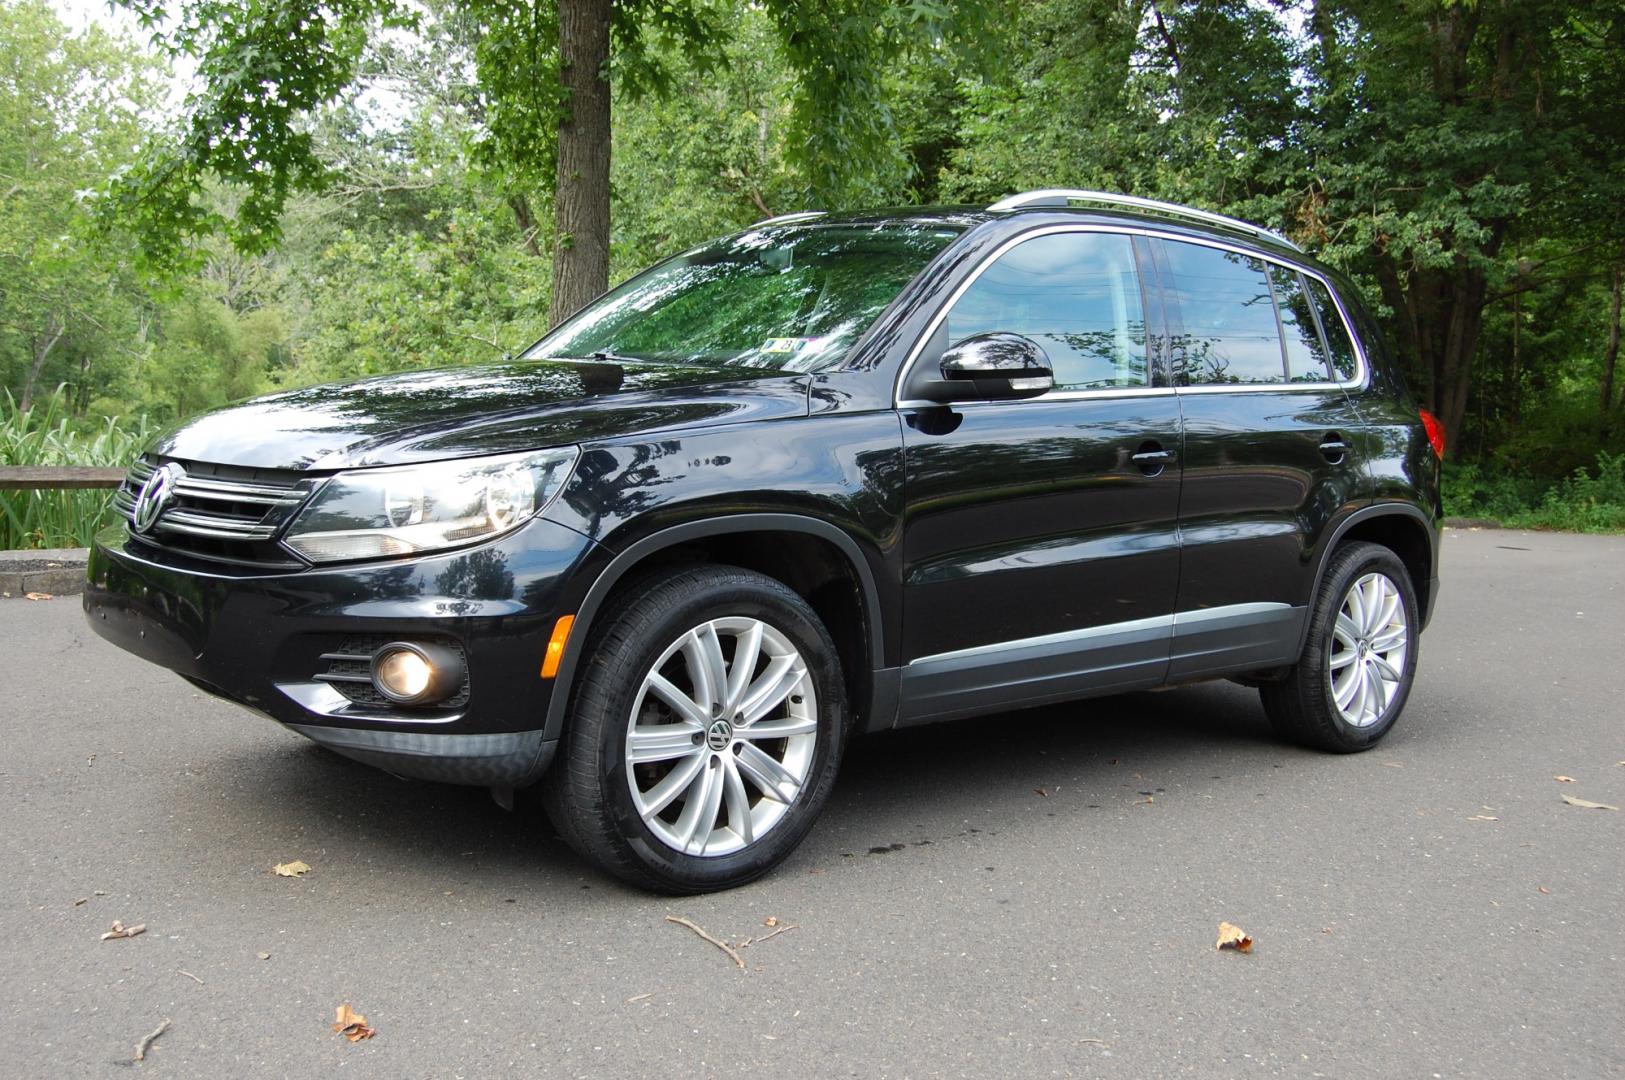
<point>156,495</point>
<point>719,735</point>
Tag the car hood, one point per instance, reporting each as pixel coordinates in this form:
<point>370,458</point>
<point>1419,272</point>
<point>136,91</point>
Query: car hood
<point>489,409</point>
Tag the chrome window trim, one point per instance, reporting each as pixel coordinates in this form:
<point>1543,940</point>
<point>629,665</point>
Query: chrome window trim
<point>1356,382</point>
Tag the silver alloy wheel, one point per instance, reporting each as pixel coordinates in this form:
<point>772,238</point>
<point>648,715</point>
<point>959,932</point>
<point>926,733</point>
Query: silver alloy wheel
<point>721,737</point>
<point>1369,642</point>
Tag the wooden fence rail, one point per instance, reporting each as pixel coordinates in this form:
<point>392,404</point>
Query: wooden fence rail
<point>25,477</point>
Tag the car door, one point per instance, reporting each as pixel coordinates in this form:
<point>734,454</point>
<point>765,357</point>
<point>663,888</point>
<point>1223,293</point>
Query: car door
<point>1040,540</point>
<point>1269,461</point>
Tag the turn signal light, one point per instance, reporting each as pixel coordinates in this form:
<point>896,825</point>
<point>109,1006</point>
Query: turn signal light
<point>555,646</point>
<point>1435,432</point>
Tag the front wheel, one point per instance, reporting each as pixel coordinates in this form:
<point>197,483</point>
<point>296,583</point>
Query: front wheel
<point>1350,685</point>
<point>705,733</point>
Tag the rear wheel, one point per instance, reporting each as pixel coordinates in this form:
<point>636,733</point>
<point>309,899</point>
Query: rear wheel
<point>1350,685</point>
<point>705,733</point>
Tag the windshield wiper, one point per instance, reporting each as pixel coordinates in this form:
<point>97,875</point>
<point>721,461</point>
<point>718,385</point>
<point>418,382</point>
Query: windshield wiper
<point>616,358</point>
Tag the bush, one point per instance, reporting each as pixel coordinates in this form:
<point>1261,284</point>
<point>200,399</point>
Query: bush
<point>45,435</point>
<point>1581,502</point>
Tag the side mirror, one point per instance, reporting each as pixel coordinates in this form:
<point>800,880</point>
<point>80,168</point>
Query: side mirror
<point>996,366</point>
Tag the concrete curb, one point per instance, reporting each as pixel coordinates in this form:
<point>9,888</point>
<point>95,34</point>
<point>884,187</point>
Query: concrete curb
<point>57,571</point>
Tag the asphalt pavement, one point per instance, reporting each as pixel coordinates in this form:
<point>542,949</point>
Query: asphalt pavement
<point>1029,895</point>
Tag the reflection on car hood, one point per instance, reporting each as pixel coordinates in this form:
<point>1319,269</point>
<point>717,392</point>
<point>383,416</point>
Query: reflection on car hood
<point>490,409</point>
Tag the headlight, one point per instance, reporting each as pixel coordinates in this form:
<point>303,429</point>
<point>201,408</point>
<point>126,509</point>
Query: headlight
<point>372,513</point>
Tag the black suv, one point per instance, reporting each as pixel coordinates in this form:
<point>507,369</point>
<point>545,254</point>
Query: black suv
<point>833,474</point>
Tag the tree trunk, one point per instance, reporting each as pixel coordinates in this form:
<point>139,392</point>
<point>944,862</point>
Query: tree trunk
<point>54,329</point>
<point>1610,355</point>
<point>581,201</point>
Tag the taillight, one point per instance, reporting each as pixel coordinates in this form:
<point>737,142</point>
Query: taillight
<point>1435,432</point>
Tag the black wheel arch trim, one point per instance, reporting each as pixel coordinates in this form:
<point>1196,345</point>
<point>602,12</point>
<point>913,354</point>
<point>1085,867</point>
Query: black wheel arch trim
<point>626,560</point>
<point>1366,513</point>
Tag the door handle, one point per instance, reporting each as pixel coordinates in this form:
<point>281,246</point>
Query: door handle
<point>1151,458</point>
<point>1334,449</point>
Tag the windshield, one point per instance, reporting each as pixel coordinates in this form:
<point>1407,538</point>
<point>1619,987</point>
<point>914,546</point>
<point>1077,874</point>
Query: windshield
<point>789,297</point>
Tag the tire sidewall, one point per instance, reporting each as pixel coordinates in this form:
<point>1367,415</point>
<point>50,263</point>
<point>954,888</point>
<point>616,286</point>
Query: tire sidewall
<point>771,603</point>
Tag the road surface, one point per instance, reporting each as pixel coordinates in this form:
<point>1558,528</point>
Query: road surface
<point>1030,895</point>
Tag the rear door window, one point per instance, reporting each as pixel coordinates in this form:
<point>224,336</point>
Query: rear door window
<point>1226,332</point>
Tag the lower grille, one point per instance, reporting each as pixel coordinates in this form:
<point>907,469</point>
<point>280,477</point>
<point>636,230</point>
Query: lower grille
<point>349,670</point>
<point>217,512</point>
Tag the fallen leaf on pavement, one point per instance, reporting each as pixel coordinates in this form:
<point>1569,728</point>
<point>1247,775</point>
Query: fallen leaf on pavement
<point>1587,803</point>
<point>39,596</point>
<point>264,956</point>
<point>637,997</point>
<point>1234,937</point>
<point>1483,817</point>
<point>1544,889</point>
<point>81,900</point>
<point>351,1024</point>
<point>771,920</point>
<point>1040,791</point>
<point>119,930</point>
<point>291,869</point>
<point>1564,779</point>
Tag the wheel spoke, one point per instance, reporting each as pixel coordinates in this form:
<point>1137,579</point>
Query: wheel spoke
<point>1344,688</point>
<point>1389,606</point>
<point>661,742</point>
<point>1355,604</point>
<point>1387,670</point>
<point>1362,691</point>
<point>747,648</point>
<point>1346,630</point>
<point>765,694</point>
<point>733,788</point>
<point>699,816</point>
<point>672,785</point>
<point>681,703</point>
<point>1342,659</point>
<point>706,669</point>
<point>779,729</point>
<point>1389,639</point>
<point>1379,691</point>
<point>774,780</point>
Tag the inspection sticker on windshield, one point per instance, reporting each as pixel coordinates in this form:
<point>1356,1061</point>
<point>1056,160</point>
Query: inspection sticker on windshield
<point>784,344</point>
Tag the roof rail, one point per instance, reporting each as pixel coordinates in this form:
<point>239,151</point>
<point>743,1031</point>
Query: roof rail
<point>1068,196</point>
<point>799,215</point>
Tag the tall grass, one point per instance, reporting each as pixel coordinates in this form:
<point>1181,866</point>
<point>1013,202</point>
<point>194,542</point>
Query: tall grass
<point>47,435</point>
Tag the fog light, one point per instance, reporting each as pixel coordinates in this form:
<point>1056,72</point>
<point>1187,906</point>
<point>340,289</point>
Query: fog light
<point>412,674</point>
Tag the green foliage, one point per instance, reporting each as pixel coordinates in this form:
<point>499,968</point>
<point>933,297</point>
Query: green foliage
<point>263,66</point>
<point>1585,501</point>
<point>45,435</point>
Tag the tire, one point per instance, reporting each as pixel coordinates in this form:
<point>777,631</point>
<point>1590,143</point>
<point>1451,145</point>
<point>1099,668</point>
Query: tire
<point>1341,696</point>
<point>693,813</point>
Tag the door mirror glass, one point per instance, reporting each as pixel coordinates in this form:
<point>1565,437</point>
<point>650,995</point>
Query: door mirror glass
<point>995,366</point>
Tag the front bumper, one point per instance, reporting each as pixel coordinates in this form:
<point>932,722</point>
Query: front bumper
<point>259,639</point>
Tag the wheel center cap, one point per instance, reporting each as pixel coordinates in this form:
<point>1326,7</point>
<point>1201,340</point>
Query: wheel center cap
<point>719,735</point>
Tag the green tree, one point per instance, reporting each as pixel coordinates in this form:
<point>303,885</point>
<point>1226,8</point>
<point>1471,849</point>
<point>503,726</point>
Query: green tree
<point>69,114</point>
<point>544,77</point>
<point>1412,142</point>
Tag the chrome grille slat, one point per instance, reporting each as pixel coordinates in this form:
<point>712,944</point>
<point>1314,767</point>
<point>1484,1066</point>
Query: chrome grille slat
<point>233,491</point>
<point>241,509</point>
<point>207,524</point>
